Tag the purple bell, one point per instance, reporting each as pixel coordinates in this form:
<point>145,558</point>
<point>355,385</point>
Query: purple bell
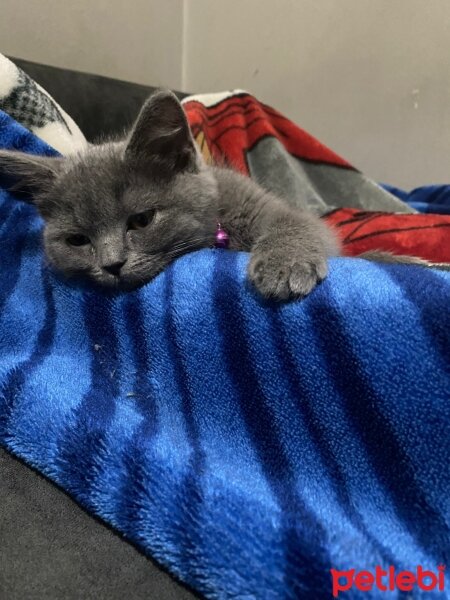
<point>222,237</point>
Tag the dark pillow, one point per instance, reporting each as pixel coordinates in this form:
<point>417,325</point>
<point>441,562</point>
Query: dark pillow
<point>98,105</point>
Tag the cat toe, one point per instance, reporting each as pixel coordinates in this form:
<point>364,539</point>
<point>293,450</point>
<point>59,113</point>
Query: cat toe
<point>281,280</point>
<point>304,278</point>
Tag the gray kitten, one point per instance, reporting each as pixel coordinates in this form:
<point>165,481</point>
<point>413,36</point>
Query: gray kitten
<point>120,212</point>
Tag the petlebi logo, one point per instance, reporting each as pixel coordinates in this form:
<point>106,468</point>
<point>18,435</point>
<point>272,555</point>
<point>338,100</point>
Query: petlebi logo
<point>388,580</point>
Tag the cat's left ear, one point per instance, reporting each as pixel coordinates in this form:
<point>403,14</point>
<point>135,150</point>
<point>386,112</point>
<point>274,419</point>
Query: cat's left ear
<point>161,141</point>
<point>29,173</point>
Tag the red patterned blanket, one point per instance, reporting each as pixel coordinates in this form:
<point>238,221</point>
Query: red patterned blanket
<point>237,129</point>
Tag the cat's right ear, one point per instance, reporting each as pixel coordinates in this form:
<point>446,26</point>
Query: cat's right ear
<point>28,174</point>
<point>160,141</point>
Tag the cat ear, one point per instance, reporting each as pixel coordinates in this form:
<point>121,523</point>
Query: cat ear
<point>29,173</point>
<point>161,140</point>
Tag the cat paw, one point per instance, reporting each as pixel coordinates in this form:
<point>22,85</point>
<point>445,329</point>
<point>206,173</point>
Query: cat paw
<point>282,274</point>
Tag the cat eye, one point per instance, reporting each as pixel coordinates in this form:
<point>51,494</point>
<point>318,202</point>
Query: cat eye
<point>78,240</point>
<point>141,220</point>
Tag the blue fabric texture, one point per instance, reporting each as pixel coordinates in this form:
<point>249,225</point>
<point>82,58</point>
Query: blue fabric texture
<point>425,199</point>
<point>247,447</point>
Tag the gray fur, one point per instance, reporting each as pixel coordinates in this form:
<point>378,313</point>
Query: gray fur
<point>157,171</point>
<point>289,247</point>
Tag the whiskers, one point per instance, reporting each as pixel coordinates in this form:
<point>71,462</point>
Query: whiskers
<point>140,267</point>
<point>185,246</point>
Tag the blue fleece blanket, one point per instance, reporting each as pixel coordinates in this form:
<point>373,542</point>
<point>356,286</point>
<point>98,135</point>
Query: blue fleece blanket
<point>249,448</point>
<point>426,199</point>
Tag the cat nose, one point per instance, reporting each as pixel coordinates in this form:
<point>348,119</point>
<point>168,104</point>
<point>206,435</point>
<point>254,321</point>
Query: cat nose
<point>114,268</point>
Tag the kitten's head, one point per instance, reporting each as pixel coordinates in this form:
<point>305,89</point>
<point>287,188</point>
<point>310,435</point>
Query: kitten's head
<point>120,212</point>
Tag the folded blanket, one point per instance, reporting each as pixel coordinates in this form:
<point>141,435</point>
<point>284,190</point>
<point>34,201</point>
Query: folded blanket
<point>248,447</point>
<point>261,142</point>
<point>236,128</point>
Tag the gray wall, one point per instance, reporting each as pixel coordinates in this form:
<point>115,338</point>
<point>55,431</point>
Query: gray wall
<point>370,78</point>
<point>135,40</point>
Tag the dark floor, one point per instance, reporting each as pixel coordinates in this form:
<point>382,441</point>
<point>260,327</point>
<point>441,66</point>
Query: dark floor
<point>50,549</point>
